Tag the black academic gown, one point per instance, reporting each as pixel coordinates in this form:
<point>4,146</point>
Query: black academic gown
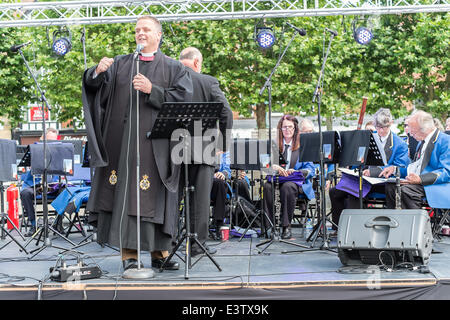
<point>111,128</point>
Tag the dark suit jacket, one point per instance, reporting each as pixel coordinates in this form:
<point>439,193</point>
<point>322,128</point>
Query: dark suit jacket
<point>206,89</point>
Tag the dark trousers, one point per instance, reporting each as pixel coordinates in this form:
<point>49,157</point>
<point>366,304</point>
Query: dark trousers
<point>412,196</point>
<point>200,177</point>
<point>27,198</point>
<point>218,199</point>
<point>338,200</point>
<point>353,202</point>
<point>289,192</point>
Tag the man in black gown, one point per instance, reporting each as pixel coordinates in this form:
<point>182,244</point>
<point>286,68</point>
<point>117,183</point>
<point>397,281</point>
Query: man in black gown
<point>109,104</point>
<point>206,89</point>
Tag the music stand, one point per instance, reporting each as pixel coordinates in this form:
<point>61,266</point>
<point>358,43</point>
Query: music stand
<point>190,117</point>
<point>309,151</point>
<point>360,149</point>
<point>245,155</point>
<point>61,162</point>
<point>8,172</point>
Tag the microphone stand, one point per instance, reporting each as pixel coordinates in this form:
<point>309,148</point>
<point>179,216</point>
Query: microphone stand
<point>43,99</point>
<point>138,273</point>
<point>268,85</point>
<point>318,96</point>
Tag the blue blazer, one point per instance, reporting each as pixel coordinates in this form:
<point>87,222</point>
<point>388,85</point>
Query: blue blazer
<point>435,171</point>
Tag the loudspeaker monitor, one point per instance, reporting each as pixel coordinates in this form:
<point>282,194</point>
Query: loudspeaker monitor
<point>384,236</point>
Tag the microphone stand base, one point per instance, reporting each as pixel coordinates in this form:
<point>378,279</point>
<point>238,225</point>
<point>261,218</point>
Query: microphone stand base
<point>137,274</point>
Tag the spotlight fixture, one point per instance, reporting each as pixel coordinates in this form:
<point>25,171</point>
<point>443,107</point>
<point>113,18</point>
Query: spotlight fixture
<point>62,42</point>
<point>362,34</point>
<point>264,35</point>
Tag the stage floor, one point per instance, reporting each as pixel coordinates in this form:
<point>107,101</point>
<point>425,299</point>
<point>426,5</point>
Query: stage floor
<point>246,274</point>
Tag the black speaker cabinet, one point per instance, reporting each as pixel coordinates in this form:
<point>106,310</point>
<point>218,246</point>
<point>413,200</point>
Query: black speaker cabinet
<point>384,236</point>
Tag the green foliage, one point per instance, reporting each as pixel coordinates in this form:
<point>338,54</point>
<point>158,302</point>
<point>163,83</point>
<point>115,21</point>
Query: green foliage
<point>406,62</point>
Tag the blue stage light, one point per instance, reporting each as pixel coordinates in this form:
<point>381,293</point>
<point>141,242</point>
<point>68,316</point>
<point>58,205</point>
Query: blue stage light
<point>363,35</point>
<point>61,46</point>
<point>265,37</point>
<point>61,42</point>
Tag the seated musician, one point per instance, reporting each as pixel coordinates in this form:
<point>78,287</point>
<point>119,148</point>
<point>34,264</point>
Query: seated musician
<point>288,141</point>
<point>428,176</point>
<point>220,189</point>
<point>31,186</point>
<point>396,151</point>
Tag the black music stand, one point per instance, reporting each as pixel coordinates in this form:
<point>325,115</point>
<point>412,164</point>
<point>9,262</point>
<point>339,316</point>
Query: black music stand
<point>60,161</point>
<point>309,151</point>
<point>8,172</point>
<point>188,117</point>
<point>360,149</point>
<point>245,155</point>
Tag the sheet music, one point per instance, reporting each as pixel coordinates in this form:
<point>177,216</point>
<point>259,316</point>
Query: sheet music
<point>371,180</point>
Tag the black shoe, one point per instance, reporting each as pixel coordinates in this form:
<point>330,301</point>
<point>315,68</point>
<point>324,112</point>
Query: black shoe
<point>131,264</point>
<point>30,232</point>
<point>171,265</point>
<point>287,234</point>
<point>196,250</point>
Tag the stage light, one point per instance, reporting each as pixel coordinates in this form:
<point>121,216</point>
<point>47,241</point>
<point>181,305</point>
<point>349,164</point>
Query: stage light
<point>362,35</point>
<point>62,42</point>
<point>265,37</point>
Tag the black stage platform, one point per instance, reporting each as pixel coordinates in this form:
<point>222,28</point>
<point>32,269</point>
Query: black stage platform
<point>246,275</point>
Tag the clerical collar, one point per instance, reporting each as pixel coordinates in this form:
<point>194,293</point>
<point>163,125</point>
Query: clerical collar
<point>147,56</point>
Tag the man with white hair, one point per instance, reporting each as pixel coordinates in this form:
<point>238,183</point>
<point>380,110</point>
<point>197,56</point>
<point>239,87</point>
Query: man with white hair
<point>429,173</point>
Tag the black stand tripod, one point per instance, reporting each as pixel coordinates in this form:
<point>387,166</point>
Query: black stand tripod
<point>360,149</point>
<point>310,150</point>
<point>44,231</point>
<point>186,116</point>
<point>317,97</point>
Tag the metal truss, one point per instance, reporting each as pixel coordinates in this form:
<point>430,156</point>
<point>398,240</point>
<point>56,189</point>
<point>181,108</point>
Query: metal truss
<point>107,12</point>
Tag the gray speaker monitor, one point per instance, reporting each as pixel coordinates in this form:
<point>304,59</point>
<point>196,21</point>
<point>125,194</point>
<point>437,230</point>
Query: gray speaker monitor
<point>384,236</point>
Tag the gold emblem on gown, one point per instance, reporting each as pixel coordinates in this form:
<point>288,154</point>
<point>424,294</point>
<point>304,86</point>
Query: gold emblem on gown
<point>144,184</point>
<point>113,177</point>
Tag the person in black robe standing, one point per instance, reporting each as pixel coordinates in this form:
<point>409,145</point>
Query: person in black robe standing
<point>206,89</point>
<point>109,104</point>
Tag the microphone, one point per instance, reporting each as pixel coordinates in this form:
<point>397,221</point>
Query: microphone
<point>138,50</point>
<point>16,47</point>
<point>332,32</point>
<point>301,31</point>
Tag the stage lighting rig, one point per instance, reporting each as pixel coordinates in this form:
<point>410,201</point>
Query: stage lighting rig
<point>264,35</point>
<point>62,41</point>
<point>361,33</point>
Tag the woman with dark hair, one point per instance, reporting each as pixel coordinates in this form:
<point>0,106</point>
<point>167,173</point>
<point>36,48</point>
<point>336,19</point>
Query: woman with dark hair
<point>294,176</point>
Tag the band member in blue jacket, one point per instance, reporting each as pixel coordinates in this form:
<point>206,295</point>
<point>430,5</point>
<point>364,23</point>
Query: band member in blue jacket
<point>429,174</point>
<point>396,152</point>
